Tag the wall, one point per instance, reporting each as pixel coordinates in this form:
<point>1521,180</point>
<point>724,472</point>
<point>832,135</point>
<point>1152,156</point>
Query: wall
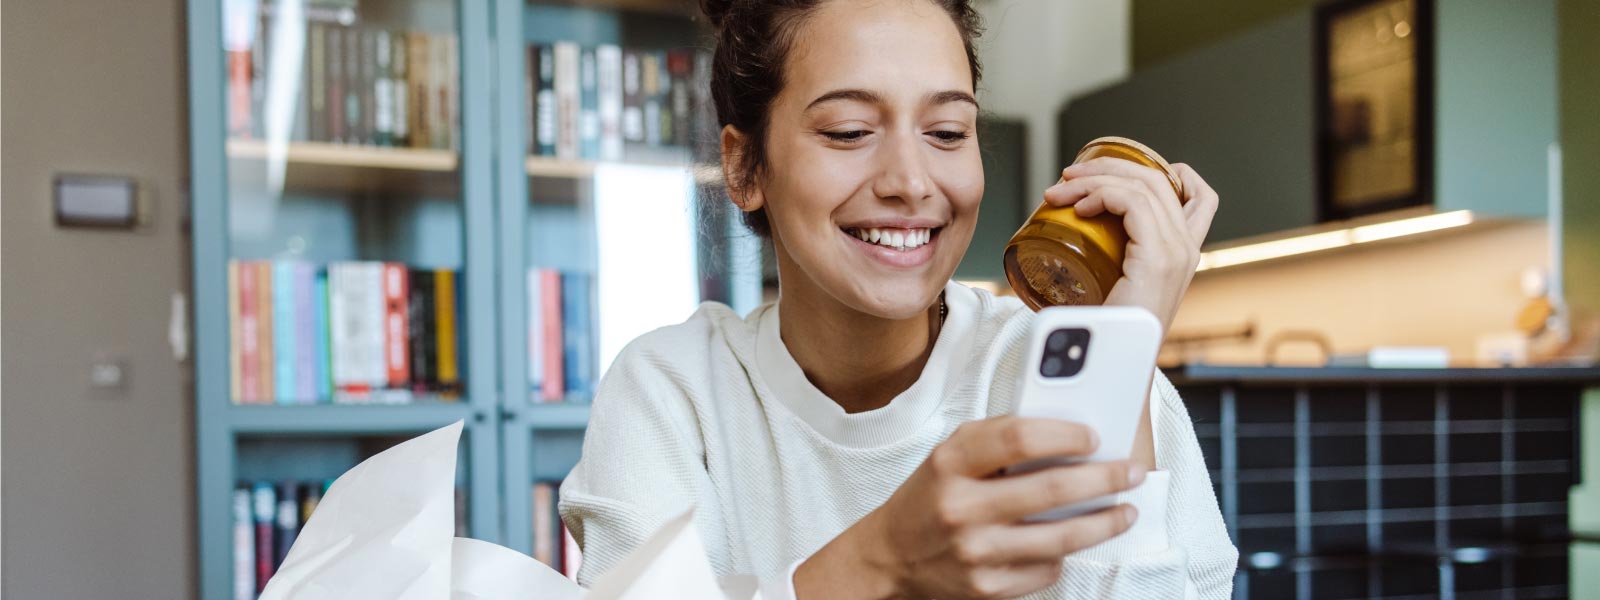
<point>1445,290</point>
<point>1163,29</point>
<point>97,483</point>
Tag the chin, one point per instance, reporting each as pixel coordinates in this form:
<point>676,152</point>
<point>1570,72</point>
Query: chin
<point>896,298</point>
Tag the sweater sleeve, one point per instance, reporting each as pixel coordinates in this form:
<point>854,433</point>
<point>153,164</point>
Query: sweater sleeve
<point>1194,559</point>
<point>641,465</point>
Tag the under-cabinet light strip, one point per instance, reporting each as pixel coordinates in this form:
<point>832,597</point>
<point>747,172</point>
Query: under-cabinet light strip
<point>1327,240</point>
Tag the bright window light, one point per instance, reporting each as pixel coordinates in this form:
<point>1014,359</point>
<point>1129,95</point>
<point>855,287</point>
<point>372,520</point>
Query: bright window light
<point>645,228</point>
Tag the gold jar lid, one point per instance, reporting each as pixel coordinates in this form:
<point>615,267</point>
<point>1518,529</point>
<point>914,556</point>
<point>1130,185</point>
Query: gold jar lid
<point>1124,148</point>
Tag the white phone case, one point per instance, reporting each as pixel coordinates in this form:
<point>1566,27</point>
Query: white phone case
<point>1108,394</point>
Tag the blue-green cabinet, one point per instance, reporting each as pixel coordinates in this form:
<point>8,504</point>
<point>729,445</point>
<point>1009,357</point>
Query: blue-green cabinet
<point>393,230</point>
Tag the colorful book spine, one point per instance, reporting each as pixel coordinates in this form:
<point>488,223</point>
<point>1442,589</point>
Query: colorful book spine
<point>382,95</point>
<point>398,78</point>
<point>567,88</point>
<point>588,106</point>
<point>354,118</point>
<point>535,332</point>
<point>244,545</point>
<point>334,83</point>
<point>375,310</point>
<point>553,388</point>
<point>310,497</point>
<point>608,73</point>
<point>283,331</point>
<point>632,100</point>
<point>544,520</point>
<point>571,554</point>
<point>368,85</point>
<point>324,370</point>
<point>267,363</point>
<point>417,74</point>
<point>546,114</point>
<point>396,334</point>
<point>235,377</point>
<point>305,335</point>
<point>249,340</point>
<point>438,87</point>
<point>420,320</point>
<point>577,334</point>
<point>679,70</point>
<point>447,319</point>
<point>288,522</point>
<point>265,502</point>
<point>317,82</point>
<point>650,95</point>
<point>339,329</point>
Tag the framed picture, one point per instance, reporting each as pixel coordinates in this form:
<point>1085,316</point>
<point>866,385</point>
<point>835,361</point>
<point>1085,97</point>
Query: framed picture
<point>1374,78</point>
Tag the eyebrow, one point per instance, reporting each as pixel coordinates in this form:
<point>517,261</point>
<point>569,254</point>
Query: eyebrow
<point>870,97</point>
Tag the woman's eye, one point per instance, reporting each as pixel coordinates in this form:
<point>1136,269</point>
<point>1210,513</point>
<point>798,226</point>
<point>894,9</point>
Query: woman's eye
<point>846,136</point>
<point>949,137</point>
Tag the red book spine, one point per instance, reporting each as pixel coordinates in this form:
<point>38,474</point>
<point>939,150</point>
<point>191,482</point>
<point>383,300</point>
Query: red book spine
<point>397,342</point>
<point>554,386</point>
<point>249,341</point>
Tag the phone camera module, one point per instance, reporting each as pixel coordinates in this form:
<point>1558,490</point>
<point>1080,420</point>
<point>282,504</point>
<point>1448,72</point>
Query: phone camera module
<point>1065,352</point>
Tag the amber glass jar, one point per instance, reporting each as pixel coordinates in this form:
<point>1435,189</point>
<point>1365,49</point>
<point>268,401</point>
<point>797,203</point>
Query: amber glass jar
<point>1061,259</point>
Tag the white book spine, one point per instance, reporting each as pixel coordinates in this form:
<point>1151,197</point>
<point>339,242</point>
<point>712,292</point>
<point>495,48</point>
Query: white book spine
<point>377,368</point>
<point>535,331</point>
<point>338,327</point>
<point>608,64</point>
<point>244,547</point>
<point>567,99</point>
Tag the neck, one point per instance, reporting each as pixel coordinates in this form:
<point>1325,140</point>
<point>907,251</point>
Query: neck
<point>860,361</point>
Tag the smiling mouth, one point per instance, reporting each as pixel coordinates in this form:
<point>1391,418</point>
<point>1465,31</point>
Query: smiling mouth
<point>895,238</point>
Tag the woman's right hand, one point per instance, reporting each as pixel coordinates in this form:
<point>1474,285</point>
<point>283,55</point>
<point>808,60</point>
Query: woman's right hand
<point>955,529</point>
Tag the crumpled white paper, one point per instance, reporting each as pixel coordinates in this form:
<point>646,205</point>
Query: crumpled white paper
<point>385,529</point>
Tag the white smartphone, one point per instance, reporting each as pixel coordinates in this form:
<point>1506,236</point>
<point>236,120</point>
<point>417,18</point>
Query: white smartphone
<point>1090,365</point>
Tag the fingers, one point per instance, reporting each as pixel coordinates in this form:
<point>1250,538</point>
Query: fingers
<point>1152,179</point>
<point>1048,541</point>
<point>1145,222</point>
<point>1010,499</point>
<point>980,448</point>
<point>1202,203</point>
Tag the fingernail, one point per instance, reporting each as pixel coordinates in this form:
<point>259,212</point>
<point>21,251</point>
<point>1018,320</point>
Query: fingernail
<point>1129,514</point>
<point>1135,475</point>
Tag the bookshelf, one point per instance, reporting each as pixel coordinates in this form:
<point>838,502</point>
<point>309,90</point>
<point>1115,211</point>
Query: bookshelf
<point>320,205</point>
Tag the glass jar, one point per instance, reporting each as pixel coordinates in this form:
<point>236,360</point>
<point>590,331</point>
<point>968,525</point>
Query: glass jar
<point>1058,258</point>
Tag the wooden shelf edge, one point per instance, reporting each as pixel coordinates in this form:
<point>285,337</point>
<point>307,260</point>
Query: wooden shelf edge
<point>344,155</point>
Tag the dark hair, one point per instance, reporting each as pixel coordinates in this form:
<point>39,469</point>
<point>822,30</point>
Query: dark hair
<point>753,40</point>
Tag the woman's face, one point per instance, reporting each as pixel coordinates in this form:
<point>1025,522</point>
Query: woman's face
<point>874,176</point>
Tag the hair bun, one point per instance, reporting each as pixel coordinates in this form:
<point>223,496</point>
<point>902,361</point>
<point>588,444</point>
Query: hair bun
<point>716,10</point>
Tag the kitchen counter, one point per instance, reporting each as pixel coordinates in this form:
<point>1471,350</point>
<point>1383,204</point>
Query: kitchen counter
<point>1200,374</point>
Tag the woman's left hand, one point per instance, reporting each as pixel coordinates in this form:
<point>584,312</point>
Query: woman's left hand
<point>1164,234</point>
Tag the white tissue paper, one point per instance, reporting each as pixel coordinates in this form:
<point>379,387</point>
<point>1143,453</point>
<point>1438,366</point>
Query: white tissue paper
<point>385,529</point>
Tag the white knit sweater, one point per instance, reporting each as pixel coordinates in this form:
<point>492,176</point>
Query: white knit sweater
<point>715,413</point>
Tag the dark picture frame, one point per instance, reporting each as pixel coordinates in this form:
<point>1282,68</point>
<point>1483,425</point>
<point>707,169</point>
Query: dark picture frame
<point>1345,149</point>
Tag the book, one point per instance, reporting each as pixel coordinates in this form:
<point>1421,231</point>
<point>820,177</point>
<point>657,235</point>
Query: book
<point>310,497</point>
<point>588,106</point>
<point>632,101</point>
<point>396,334</point>
<point>577,334</point>
<point>447,320</point>
<point>376,309</point>
<point>284,328</point>
<point>288,522</point>
<point>316,90</point>
<point>240,81</point>
<point>355,118</point>
<point>398,78</point>
<point>452,101</point>
<point>420,322</point>
<point>567,99</point>
<point>266,363</point>
<point>265,504</point>
<point>650,89</point>
<point>244,545</point>
<point>544,520</point>
<point>545,117</point>
<point>535,332</point>
<point>249,339</point>
<point>679,71</point>
<point>334,83</point>
<point>305,332</point>
<point>417,76</point>
<point>664,91</point>
<point>321,333</point>
<point>235,377</point>
<point>382,95</point>
<point>608,74</point>
<point>553,388</point>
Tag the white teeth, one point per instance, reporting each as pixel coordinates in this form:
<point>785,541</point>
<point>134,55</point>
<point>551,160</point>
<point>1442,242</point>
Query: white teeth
<point>875,234</point>
<point>902,239</point>
<point>899,239</point>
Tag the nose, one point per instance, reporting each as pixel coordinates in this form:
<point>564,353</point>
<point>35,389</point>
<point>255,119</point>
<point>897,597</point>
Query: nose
<point>902,173</point>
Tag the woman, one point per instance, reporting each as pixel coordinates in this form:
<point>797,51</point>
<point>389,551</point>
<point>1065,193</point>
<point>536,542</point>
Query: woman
<point>849,448</point>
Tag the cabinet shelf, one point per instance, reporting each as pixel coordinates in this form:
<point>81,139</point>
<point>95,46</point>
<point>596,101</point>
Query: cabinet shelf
<point>345,168</point>
<point>559,415</point>
<point>346,418</point>
<point>560,168</point>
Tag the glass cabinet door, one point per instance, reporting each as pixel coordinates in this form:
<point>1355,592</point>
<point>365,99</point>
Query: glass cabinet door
<point>610,188</point>
<point>344,202</point>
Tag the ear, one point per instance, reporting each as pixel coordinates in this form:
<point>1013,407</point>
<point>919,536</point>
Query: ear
<point>745,194</point>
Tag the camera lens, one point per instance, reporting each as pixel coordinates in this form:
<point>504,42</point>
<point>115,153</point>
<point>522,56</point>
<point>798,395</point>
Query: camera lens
<point>1057,340</point>
<point>1051,367</point>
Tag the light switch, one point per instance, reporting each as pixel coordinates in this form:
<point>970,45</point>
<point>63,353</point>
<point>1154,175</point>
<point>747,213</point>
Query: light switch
<point>96,201</point>
<point>107,374</point>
